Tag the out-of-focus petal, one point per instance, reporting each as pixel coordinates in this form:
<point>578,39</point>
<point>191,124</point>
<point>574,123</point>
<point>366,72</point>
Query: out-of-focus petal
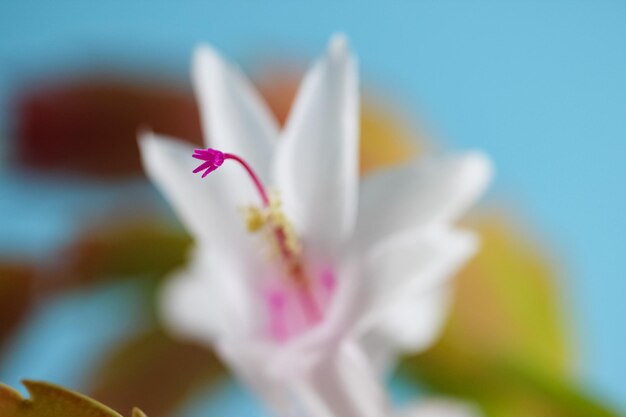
<point>191,309</point>
<point>247,359</point>
<point>316,162</point>
<point>411,325</point>
<point>407,291</point>
<point>180,300</point>
<point>343,384</point>
<point>408,197</point>
<point>234,116</point>
<point>414,262</point>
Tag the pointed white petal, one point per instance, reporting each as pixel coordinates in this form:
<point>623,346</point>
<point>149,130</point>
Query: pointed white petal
<point>234,116</point>
<point>316,162</point>
<point>169,164</point>
<point>412,196</point>
<point>205,206</point>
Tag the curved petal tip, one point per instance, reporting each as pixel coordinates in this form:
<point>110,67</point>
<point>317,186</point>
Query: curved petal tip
<point>205,59</point>
<point>478,170</point>
<point>338,45</point>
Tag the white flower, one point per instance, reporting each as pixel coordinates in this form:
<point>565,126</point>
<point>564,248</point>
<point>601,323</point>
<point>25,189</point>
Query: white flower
<point>303,297</point>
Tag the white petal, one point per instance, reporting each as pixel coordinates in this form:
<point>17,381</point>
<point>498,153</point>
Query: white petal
<point>205,206</point>
<point>209,298</point>
<point>344,384</point>
<point>407,292</point>
<point>185,303</point>
<point>410,326</point>
<point>234,116</point>
<point>247,359</point>
<point>316,162</point>
<point>414,262</point>
<point>441,408</point>
<point>411,196</point>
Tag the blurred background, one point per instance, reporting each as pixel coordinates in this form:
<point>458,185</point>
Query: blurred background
<point>538,326</point>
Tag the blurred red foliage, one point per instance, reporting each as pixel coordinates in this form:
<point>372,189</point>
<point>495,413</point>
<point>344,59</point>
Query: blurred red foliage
<point>90,125</point>
<point>16,282</point>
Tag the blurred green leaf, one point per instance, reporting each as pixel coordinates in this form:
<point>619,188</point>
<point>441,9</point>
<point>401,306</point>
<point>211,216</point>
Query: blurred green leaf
<point>154,371</point>
<point>506,345</point>
<point>126,249</point>
<point>48,400</point>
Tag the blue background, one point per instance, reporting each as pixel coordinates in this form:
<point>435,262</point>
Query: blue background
<point>539,85</point>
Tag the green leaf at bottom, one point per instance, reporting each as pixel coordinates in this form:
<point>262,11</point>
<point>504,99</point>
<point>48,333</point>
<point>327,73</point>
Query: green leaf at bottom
<point>49,400</point>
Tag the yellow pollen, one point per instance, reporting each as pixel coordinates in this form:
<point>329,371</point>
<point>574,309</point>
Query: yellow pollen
<point>279,231</point>
<point>255,218</point>
<point>278,219</point>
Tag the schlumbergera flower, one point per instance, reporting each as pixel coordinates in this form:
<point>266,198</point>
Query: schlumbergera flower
<point>306,281</point>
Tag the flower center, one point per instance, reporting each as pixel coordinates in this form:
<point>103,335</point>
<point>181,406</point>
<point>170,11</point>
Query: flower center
<point>270,219</point>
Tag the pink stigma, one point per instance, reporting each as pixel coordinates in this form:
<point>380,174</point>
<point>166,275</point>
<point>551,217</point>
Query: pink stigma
<point>213,159</point>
